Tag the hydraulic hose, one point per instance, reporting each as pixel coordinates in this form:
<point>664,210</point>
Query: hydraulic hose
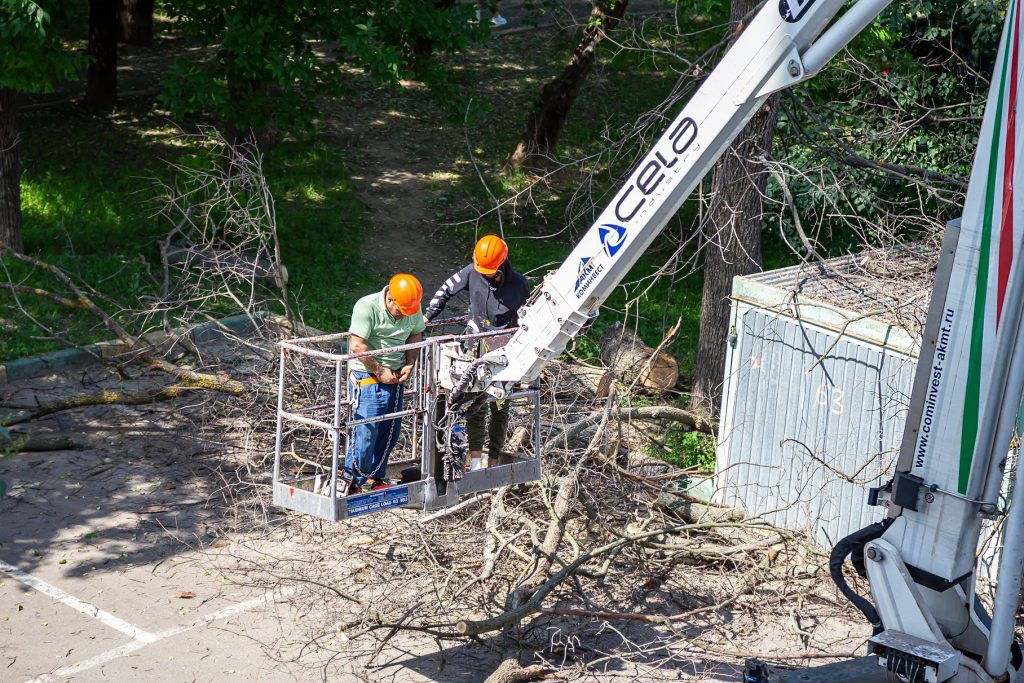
<point>853,545</point>
<point>465,381</point>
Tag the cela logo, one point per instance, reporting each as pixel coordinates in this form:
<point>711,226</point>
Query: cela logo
<point>612,237</point>
<point>794,10</point>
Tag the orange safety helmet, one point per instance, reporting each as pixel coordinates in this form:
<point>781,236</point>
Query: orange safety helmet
<point>488,255</point>
<point>406,291</point>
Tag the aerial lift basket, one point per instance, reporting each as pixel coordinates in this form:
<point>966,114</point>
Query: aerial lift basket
<point>315,425</point>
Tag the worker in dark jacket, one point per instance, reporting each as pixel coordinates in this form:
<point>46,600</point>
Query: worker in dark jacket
<point>496,292</point>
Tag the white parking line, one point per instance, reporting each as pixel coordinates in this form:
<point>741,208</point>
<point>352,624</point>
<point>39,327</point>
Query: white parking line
<point>137,644</point>
<point>74,603</point>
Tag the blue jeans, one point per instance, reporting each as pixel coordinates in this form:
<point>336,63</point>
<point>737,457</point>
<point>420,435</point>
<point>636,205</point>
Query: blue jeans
<point>372,443</point>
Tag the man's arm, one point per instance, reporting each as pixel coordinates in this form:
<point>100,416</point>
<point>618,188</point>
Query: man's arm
<point>452,286</point>
<point>411,355</point>
<point>360,328</point>
<point>357,344</point>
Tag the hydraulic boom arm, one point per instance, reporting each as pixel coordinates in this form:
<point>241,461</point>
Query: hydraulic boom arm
<point>782,45</point>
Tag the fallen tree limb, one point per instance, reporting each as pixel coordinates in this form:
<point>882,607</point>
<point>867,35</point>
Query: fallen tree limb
<point>692,420</point>
<point>761,575</point>
<point>491,550</point>
<point>444,512</point>
<point>139,345</point>
<point>36,291</point>
<point>692,510</point>
<point>511,671</point>
<point>198,380</point>
<point>35,443</point>
<point>105,397</point>
<point>573,379</point>
<point>609,616</point>
<point>82,301</point>
<point>559,509</point>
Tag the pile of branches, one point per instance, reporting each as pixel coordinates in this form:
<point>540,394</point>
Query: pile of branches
<point>605,562</point>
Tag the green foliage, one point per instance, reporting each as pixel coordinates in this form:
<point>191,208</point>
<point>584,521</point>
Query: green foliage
<point>31,51</point>
<point>686,450</point>
<point>10,445</point>
<point>273,59</point>
<point>970,30</point>
<point>908,91</point>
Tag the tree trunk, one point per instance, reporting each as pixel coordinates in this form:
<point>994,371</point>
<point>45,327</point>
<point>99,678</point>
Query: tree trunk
<point>629,359</point>
<point>101,84</point>
<point>251,96</point>
<point>733,239</point>
<point>544,126</point>
<point>10,173</point>
<point>135,22</point>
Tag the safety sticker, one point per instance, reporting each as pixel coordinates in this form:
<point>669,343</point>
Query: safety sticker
<point>375,501</point>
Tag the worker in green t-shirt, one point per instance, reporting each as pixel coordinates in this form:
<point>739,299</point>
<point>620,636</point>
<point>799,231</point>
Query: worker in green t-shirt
<point>382,320</point>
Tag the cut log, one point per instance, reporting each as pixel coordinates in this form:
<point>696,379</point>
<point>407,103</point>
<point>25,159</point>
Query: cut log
<point>629,359</point>
<point>573,379</point>
<point>20,442</point>
<point>519,442</point>
<point>47,442</point>
<point>694,511</point>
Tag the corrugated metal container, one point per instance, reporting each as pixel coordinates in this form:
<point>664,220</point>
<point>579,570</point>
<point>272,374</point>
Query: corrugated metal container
<point>818,375</point>
<point>817,382</point>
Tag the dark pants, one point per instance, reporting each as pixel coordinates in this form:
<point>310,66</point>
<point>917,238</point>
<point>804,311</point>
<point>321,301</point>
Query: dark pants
<point>496,429</point>
<point>372,443</point>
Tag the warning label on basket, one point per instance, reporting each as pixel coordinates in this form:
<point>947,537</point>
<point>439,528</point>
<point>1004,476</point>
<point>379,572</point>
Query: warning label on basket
<point>375,501</point>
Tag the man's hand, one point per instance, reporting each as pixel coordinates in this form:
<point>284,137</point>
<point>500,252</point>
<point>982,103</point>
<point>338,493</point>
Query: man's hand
<point>426,320</point>
<point>386,376</point>
<point>405,373</point>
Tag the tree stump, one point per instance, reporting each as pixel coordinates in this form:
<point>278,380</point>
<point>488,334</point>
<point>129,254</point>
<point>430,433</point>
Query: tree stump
<point>629,359</point>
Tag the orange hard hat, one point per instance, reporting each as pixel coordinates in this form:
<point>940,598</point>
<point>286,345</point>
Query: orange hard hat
<point>488,255</point>
<point>406,291</point>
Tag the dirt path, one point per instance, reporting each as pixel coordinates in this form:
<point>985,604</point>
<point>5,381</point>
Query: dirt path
<point>391,170</point>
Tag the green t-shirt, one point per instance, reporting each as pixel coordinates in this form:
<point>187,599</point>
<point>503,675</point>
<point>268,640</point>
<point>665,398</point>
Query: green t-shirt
<point>372,321</point>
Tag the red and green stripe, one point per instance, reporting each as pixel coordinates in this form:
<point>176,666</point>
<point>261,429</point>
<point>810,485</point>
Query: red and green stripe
<point>1006,232</point>
<point>1007,139</point>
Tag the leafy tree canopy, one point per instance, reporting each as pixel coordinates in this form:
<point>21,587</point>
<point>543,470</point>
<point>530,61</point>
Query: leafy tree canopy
<point>272,59</point>
<point>908,93</point>
<point>31,50</point>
